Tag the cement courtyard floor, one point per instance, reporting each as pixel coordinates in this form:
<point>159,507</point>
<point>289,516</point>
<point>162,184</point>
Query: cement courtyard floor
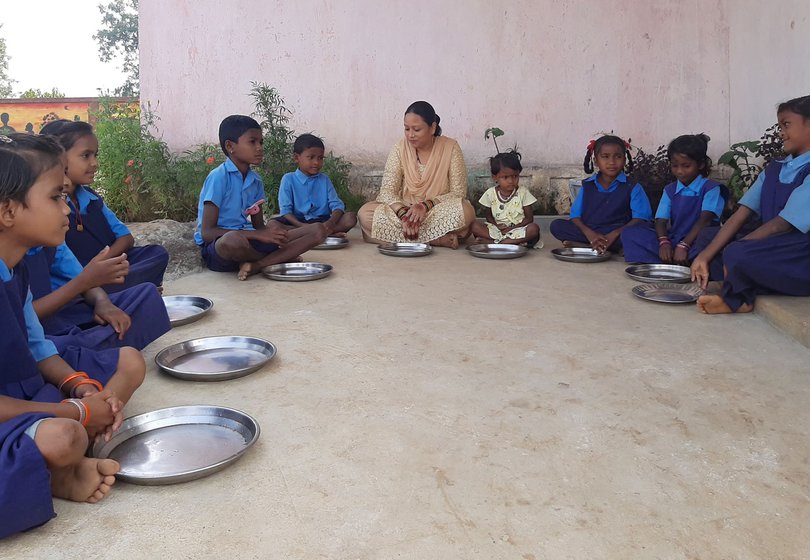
<point>451,407</point>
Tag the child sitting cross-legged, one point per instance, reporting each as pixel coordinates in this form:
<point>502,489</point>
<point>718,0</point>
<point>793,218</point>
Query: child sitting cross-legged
<point>43,436</point>
<point>94,227</point>
<point>507,206</point>
<point>231,231</point>
<point>307,196</point>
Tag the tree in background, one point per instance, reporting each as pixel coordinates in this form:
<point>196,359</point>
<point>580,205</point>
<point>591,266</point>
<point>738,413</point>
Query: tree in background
<point>6,83</point>
<point>118,36</point>
<point>32,93</point>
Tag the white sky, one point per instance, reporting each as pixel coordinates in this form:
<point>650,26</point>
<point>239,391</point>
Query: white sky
<point>51,44</point>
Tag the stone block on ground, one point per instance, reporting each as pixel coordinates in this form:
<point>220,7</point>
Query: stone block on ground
<point>177,238</point>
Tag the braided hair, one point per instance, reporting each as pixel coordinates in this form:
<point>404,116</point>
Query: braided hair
<point>595,146</point>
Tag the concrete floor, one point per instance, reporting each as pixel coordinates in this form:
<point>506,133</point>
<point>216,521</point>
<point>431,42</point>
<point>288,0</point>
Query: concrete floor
<point>452,407</point>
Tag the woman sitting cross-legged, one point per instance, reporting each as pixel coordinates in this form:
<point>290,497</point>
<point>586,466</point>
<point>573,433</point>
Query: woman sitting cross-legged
<point>423,196</point>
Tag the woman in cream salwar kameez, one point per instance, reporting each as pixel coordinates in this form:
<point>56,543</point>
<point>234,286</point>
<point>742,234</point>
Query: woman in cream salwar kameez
<point>424,188</point>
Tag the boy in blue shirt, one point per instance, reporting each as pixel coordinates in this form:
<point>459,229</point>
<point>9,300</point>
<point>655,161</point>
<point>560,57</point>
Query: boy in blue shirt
<point>307,196</point>
<point>230,226</point>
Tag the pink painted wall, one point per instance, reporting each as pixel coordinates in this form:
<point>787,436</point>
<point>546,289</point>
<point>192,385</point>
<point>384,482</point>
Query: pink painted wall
<point>551,73</point>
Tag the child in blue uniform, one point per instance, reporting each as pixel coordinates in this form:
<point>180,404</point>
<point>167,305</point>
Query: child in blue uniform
<point>307,196</point>
<point>133,317</point>
<point>231,231</point>
<point>607,202</point>
<point>42,440</point>
<point>775,257</point>
<point>93,226</point>
<point>507,206</point>
<point>687,206</point>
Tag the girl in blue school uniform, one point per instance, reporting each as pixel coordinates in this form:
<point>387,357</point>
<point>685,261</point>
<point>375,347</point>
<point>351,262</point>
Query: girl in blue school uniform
<point>687,206</point>
<point>75,311</point>
<point>93,226</point>
<point>775,257</point>
<point>43,435</point>
<point>607,202</point>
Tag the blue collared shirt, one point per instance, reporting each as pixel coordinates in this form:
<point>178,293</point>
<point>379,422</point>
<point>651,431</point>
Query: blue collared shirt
<point>639,203</point>
<point>40,346</point>
<point>227,190</point>
<point>84,197</point>
<point>713,201</point>
<point>65,266</point>
<point>796,209</point>
<point>307,197</point>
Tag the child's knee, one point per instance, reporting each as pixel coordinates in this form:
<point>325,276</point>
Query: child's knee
<point>132,364</point>
<point>351,219</point>
<point>61,441</point>
<point>231,243</point>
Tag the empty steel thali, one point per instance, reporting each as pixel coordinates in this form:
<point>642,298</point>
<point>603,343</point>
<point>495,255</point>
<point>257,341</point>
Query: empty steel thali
<point>333,243</point>
<point>667,292</point>
<point>215,358</point>
<point>179,444</point>
<point>497,251</point>
<point>405,249</point>
<point>580,255</point>
<point>297,271</point>
<point>186,309</point>
<point>659,273</point>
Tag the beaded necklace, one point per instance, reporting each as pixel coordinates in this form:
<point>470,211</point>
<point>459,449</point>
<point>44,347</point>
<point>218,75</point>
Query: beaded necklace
<point>503,201</point>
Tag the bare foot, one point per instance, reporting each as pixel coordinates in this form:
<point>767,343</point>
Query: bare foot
<point>160,289</point>
<point>88,481</point>
<point>296,259</point>
<point>246,270</point>
<point>570,244</point>
<point>483,240</point>
<point>447,240</point>
<point>338,234</point>
<point>715,305</point>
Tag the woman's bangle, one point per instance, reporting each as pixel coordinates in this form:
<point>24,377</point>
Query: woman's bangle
<point>429,204</point>
<point>664,241</point>
<point>69,378</point>
<point>84,412</point>
<point>684,245</point>
<point>88,381</point>
<point>401,212</point>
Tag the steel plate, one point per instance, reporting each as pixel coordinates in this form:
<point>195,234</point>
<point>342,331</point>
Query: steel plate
<point>297,271</point>
<point>179,444</point>
<point>668,292</point>
<point>580,255</point>
<point>183,310</point>
<point>659,273</point>
<point>333,243</point>
<point>215,358</point>
<point>497,251</point>
<point>405,249</point>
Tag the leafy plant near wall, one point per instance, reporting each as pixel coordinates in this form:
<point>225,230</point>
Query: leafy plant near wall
<point>748,159</point>
<point>652,170</point>
<point>274,117</point>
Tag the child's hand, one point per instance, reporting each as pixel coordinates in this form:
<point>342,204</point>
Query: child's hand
<point>597,241</point>
<point>503,228</point>
<point>700,271</point>
<point>84,390</point>
<point>665,252</point>
<point>681,256</point>
<point>107,313</point>
<point>610,239</point>
<point>102,270</point>
<point>274,235</point>
<point>100,412</point>
<point>117,407</point>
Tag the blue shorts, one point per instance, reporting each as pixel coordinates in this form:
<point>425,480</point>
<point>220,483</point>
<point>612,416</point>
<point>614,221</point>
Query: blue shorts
<point>318,220</point>
<point>216,263</point>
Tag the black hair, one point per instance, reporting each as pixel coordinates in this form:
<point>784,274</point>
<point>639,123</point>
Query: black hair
<point>23,158</point>
<point>799,105</point>
<point>428,114</point>
<point>67,132</point>
<point>16,177</point>
<point>306,141</point>
<point>693,146</point>
<point>509,160</point>
<point>595,147</point>
<point>233,127</point>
